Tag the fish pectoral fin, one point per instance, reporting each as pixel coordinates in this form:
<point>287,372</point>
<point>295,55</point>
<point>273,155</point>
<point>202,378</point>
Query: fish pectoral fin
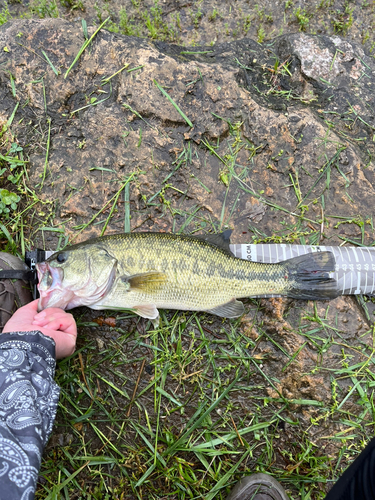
<point>147,282</point>
<point>232,309</point>
<point>148,311</point>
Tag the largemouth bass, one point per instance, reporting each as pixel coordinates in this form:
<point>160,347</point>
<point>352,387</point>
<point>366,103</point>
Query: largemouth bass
<point>147,271</point>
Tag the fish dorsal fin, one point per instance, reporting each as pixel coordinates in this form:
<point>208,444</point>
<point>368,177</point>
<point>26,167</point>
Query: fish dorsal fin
<point>147,282</point>
<point>221,240</point>
<point>232,309</point>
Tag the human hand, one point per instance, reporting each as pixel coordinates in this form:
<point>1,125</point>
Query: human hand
<point>53,322</point>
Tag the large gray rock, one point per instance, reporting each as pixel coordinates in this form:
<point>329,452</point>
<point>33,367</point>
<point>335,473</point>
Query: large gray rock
<point>302,108</point>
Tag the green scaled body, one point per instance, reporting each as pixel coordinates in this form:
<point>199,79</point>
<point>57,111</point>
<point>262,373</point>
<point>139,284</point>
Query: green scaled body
<point>147,271</point>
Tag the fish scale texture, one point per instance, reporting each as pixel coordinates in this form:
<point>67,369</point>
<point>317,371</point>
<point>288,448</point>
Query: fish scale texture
<point>146,271</point>
<point>199,275</point>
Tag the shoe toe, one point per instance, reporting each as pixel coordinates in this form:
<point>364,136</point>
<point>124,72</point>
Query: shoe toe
<point>258,487</point>
<point>13,293</point>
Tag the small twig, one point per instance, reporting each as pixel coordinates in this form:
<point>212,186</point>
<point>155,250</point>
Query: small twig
<point>322,225</point>
<point>214,334</point>
<point>83,374</point>
<point>136,387</point>
<point>191,374</point>
<point>238,434</point>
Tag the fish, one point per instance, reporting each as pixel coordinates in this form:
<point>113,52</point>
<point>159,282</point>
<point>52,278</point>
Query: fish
<point>147,271</point>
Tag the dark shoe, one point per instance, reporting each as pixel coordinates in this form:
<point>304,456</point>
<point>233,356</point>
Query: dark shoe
<point>258,487</point>
<point>14,293</point>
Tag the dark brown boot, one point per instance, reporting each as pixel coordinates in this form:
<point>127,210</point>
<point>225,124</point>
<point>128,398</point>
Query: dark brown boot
<point>14,293</point>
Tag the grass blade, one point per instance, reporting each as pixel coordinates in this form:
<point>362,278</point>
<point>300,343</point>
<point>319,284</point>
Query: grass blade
<point>149,471</point>
<point>84,226</point>
<point>59,487</point>
<point>198,422</point>
<point>84,46</point>
<point>47,154</point>
<point>93,103</point>
<point>127,208</point>
<point>14,93</point>
<point>106,80</point>
<point>6,233</point>
<point>173,103</point>
<point>233,435</point>
<point>10,120</point>
<point>226,478</point>
<point>84,29</point>
<point>50,63</point>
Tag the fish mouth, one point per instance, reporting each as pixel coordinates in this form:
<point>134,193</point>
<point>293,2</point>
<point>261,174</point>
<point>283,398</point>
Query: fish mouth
<point>51,292</point>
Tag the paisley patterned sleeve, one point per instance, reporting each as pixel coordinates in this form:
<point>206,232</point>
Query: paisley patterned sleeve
<point>28,403</point>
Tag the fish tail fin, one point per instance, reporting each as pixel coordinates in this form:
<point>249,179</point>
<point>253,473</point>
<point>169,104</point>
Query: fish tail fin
<point>309,275</point>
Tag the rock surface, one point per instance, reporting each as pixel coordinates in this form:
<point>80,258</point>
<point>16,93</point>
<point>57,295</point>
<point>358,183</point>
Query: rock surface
<point>313,113</point>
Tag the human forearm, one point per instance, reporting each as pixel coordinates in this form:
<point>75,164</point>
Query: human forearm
<point>28,403</point>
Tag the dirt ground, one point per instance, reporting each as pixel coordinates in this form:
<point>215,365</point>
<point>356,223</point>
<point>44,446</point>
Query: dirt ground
<point>280,149</point>
<point>207,22</point>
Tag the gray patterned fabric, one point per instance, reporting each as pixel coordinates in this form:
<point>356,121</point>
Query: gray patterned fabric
<point>28,403</point>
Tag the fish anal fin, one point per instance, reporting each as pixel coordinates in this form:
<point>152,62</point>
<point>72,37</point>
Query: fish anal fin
<point>147,282</point>
<point>232,309</point>
<point>148,311</point>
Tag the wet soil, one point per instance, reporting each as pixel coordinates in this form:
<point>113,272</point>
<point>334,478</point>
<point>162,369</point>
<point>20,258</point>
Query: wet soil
<point>281,149</point>
<point>207,22</point>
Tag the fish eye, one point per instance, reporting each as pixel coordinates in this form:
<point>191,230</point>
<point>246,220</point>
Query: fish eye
<point>61,257</point>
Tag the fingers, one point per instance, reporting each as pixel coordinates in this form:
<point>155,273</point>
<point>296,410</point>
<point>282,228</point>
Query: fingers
<point>56,319</point>
<point>53,322</point>
<point>65,342</point>
<point>65,318</point>
<point>65,324</point>
<point>43,318</point>
<point>49,310</point>
<point>60,326</point>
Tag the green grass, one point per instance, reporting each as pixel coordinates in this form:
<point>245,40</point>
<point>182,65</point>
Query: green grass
<point>179,411</point>
<point>5,14</point>
<point>44,8</point>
